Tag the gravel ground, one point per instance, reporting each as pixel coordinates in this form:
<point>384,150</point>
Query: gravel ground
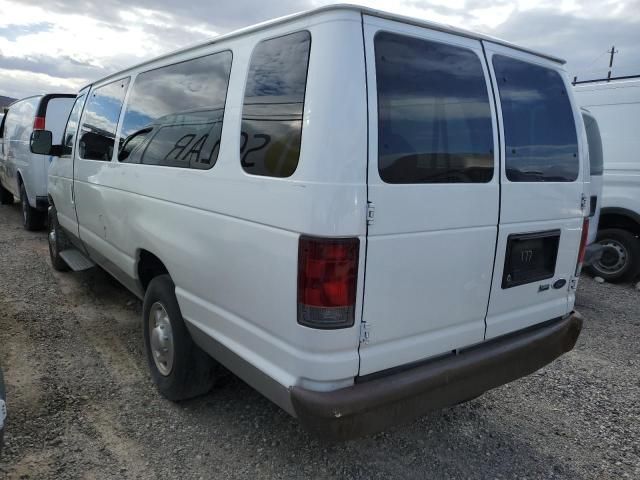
<point>81,403</point>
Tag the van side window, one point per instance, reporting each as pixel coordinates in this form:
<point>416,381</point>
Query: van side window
<point>174,114</point>
<point>434,116</point>
<point>596,161</point>
<point>539,128</point>
<point>274,105</point>
<point>69,135</point>
<point>98,131</point>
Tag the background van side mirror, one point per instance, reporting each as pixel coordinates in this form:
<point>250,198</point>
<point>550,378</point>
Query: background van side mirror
<point>41,143</point>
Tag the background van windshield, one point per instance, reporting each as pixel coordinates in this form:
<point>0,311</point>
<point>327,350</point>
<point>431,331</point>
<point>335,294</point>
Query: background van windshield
<point>539,128</point>
<point>595,145</point>
<point>434,118</point>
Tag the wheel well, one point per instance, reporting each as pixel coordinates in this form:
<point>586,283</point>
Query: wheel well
<point>149,267</point>
<point>617,220</point>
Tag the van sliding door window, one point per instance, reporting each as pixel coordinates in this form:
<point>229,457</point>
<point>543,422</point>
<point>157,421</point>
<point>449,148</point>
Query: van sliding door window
<point>539,129</point>
<point>274,105</point>
<point>434,116</point>
<point>98,131</point>
<point>174,114</point>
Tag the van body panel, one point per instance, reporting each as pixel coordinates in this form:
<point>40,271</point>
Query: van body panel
<point>616,107</point>
<point>429,244</point>
<point>537,206</point>
<point>244,229</point>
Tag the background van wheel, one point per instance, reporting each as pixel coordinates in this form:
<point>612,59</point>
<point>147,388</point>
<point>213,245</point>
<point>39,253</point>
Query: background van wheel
<point>32,219</point>
<point>179,368</point>
<point>621,257</point>
<point>6,197</point>
<point>57,241</point>
<point>3,397</point>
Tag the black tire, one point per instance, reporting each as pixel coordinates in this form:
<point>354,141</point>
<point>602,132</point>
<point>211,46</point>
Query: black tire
<point>32,219</point>
<point>620,260</point>
<point>57,241</point>
<point>6,197</point>
<point>193,371</point>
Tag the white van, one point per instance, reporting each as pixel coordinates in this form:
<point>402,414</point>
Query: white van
<point>23,174</point>
<point>615,105</point>
<point>364,216</point>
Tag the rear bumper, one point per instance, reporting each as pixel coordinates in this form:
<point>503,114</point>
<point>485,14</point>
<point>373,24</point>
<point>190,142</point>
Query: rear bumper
<point>374,405</point>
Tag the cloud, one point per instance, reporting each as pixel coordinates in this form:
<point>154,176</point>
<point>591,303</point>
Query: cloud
<point>69,43</point>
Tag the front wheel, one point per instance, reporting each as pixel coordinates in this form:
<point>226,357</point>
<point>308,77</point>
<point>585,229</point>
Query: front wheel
<point>179,368</point>
<point>57,242</point>
<point>621,255</point>
<point>32,219</point>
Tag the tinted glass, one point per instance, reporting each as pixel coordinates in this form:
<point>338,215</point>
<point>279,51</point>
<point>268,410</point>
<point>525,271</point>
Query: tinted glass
<point>70,130</point>
<point>274,104</point>
<point>98,131</point>
<point>434,118</point>
<point>595,144</point>
<point>174,114</point>
<point>539,129</point>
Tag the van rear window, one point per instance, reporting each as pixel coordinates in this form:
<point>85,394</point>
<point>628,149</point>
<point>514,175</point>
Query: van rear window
<point>434,117</point>
<point>539,128</point>
<point>274,104</point>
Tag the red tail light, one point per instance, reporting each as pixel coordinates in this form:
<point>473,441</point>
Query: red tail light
<point>583,245</point>
<point>327,281</point>
<point>39,123</point>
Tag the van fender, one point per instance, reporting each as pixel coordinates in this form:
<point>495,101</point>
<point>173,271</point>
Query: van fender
<point>629,215</point>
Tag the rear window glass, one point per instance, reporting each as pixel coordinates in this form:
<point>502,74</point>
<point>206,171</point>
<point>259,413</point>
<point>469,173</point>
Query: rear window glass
<point>98,131</point>
<point>434,116</point>
<point>274,104</point>
<point>595,144</point>
<point>539,127</point>
<point>174,114</point>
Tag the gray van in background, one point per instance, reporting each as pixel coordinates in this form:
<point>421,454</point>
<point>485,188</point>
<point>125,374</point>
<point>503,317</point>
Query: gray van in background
<point>23,174</point>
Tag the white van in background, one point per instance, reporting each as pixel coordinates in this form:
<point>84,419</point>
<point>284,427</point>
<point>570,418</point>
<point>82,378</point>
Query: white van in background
<point>23,174</point>
<point>594,141</point>
<point>615,105</point>
<point>362,215</point>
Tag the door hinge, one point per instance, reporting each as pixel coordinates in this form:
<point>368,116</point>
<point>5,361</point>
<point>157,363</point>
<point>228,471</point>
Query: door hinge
<point>371,213</point>
<point>583,202</point>
<point>365,332</point>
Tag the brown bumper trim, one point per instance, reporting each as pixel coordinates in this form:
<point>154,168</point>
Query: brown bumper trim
<point>372,406</point>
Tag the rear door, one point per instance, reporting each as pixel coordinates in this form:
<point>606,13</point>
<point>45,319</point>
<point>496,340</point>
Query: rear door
<point>542,195</point>
<point>434,192</point>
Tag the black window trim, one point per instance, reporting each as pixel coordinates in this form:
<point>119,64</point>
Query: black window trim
<point>79,96</point>
<point>92,90</point>
<point>304,101</point>
<point>493,107</point>
<point>126,104</point>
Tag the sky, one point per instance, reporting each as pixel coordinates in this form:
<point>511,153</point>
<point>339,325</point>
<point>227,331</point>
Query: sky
<point>62,45</point>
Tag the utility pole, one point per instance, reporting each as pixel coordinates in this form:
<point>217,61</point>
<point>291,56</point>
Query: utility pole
<point>613,51</point>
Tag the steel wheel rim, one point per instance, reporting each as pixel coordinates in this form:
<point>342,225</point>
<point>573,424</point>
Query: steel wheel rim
<point>614,258</point>
<point>161,339</point>
<point>52,238</point>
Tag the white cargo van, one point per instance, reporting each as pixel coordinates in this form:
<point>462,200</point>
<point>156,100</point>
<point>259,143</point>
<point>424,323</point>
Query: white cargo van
<point>615,105</point>
<point>23,174</point>
<point>364,216</point>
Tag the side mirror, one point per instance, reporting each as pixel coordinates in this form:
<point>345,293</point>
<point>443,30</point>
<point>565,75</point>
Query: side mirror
<point>41,141</point>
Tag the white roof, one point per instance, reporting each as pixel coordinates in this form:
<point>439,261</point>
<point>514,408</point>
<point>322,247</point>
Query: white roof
<point>348,7</point>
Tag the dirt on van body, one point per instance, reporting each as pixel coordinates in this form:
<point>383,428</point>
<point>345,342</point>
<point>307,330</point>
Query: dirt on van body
<point>81,403</point>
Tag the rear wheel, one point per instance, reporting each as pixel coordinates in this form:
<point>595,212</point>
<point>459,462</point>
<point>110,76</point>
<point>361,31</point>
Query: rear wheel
<point>621,255</point>
<point>57,242</point>
<point>32,219</point>
<point>3,411</point>
<point>179,368</point>
<point>6,197</point>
